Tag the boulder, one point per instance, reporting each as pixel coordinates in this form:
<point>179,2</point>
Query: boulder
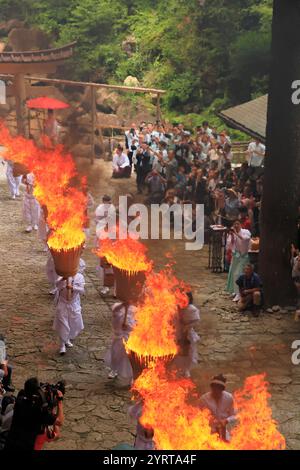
<point>7,26</point>
<point>108,119</point>
<point>131,81</point>
<point>25,39</point>
<point>107,101</point>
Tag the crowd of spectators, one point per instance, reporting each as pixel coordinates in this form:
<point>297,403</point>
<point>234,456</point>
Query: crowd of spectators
<point>175,165</point>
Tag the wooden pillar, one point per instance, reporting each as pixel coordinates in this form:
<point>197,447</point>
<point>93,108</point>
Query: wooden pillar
<point>158,111</point>
<point>93,98</point>
<point>21,111</point>
<point>29,113</point>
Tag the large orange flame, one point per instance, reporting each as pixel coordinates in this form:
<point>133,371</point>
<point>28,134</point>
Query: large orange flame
<point>154,333</point>
<point>55,173</point>
<point>169,407</point>
<point>126,254</point>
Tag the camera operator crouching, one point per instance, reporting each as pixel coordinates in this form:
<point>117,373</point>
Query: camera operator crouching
<point>38,416</point>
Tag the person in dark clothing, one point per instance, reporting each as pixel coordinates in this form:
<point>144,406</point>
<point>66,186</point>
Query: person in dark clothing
<point>201,188</point>
<point>143,166</point>
<point>156,184</point>
<point>32,415</point>
<point>250,287</point>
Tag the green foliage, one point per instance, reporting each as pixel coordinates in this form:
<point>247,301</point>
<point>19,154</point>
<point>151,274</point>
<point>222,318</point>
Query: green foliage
<point>205,56</point>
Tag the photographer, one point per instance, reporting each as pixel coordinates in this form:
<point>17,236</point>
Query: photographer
<point>33,413</point>
<point>5,369</point>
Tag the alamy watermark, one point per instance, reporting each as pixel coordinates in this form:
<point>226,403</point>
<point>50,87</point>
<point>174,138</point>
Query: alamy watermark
<point>296,353</point>
<point>154,222</point>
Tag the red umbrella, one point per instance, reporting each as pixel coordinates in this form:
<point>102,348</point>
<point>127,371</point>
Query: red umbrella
<point>44,102</point>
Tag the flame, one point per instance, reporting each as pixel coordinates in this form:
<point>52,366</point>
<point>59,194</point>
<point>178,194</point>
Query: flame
<point>169,407</point>
<point>54,172</point>
<point>126,254</point>
<point>154,333</point>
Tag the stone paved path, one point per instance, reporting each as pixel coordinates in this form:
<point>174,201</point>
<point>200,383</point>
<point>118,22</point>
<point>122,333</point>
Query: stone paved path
<point>96,411</point>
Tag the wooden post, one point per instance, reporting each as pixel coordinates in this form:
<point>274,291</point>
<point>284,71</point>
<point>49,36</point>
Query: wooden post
<point>20,96</point>
<point>29,115</point>
<point>93,98</point>
<point>158,111</point>
<point>282,162</point>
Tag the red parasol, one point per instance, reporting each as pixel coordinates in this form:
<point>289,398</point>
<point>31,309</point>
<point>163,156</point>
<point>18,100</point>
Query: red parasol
<point>44,102</point>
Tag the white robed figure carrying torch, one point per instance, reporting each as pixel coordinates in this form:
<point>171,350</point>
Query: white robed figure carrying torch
<point>31,207</point>
<point>12,181</point>
<point>68,322</point>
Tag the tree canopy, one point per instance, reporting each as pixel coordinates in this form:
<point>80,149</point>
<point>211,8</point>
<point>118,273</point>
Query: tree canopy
<point>206,54</point>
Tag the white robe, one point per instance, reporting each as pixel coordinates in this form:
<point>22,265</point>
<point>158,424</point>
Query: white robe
<point>12,181</point>
<point>43,228</point>
<point>223,409</point>
<point>142,442</point>
<point>116,357</point>
<point>52,276</point>
<point>185,360</point>
<point>31,207</point>
<point>68,321</point>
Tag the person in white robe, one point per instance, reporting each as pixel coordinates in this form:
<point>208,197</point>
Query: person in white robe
<point>144,436</point>
<point>89,206</point>
<point>105,215</point>
<point>238,242</point>
<point>116,357</point>
<point>51,127</point>
<point>31,207</point>
<point>52,275</point>
<point>12,181</point>
<point>68,322</point>
<point>187,339</point>
<point>221,405</point>
<point>43,230</point>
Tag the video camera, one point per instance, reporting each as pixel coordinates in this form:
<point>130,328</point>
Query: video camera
<point>50,392</point>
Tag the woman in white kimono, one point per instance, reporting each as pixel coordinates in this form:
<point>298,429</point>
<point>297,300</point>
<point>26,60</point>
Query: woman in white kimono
<point>31,208</point>
<point>187,339</point>
<point>52,275</point>
<point>68,321</point>
<point>116,357</point>
<point>12,181</point>
<point>238,241</point>
<point>144,436</point>
<point>105,214</point>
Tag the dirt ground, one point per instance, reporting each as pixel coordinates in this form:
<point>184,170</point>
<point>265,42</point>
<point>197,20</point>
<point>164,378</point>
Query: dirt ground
<point>96,409</point>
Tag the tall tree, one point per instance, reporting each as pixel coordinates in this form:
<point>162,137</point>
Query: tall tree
<point>282,165</point>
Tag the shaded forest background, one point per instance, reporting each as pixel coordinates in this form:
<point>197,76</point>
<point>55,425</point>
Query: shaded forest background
<point>207,54</point>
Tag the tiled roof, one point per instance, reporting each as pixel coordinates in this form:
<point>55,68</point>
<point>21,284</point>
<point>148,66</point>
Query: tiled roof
<point>250,117</point>
<point>32,57</point>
